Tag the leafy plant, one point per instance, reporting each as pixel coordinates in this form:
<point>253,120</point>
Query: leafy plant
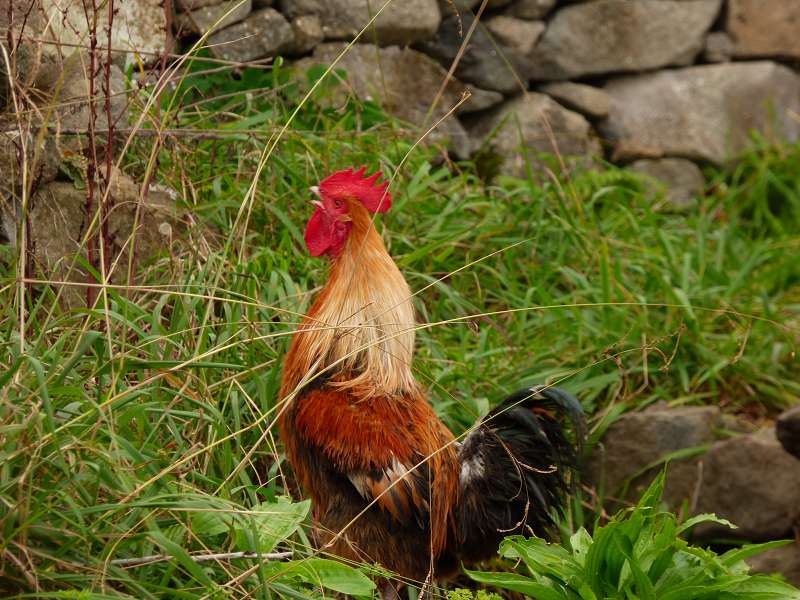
<point>638,555</point>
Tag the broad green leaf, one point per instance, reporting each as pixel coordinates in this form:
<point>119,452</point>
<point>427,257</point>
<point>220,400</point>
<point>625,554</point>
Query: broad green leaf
<point>580,542</point>
<point>761,587</point>
<point>534,550</point>
<point>211,522</point>
<point>332,575</point>
<point>704,518</point>
<point>518,583</point>
<point>586,593</point>
<point>731,557</point>
<point>269,523</point>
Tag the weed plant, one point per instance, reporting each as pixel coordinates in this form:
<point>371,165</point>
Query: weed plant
<point>639,554</point>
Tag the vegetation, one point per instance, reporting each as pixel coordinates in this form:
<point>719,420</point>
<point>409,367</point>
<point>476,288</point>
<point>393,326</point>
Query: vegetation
<point>638,554</point>
<point>143,425</point>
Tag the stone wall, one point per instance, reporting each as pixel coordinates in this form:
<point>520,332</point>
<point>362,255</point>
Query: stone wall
<point>661,85</point>
<point>49,130</point>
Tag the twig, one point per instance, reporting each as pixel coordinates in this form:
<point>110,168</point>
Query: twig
<point>10,31</point>
<point>146,560</point>
<point>107,204</point>
<point>91,168</point>
<point>24,244</point>
<point>22,28</point>
<point>170,38</point>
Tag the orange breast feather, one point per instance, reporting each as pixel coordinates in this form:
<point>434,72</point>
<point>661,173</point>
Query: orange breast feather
<point>370,435</point>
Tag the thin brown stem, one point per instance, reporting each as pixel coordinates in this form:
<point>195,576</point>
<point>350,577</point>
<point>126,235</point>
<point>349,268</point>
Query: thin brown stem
<point>108,199</point>
<point>146,560</point>
<point>91,169</point>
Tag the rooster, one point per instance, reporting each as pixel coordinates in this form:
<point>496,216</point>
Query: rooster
<point>388,481</point>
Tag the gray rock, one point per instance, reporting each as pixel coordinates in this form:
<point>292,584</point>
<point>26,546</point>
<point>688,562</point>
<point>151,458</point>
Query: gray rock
<point>457,7</point>
<point>531,124</point>
<point>585,99</point>
<point>139,29</point>
<point>402,69</point>
<point>518,35</point>
<point>487,64</point>
<point>60,207</point>
<point>677,180</point>
<point>765,28</point>
<point>705,113</point>
<point>307,31</point>
<point>731,425</point>
<point>188,5</point>
<point>637,441</point>
<point>753,482</point>
<point>447,6</point>
<point>213,16</point>
<point>41,162</point>
<point>8,220</point>
<point>788,430</point>
<point>784,561</point>
<point>263,34</point>
<point>531,9</point>
<point>20,13</point>
<point>400,23</point>
<point>480,100</point>
<point>719,47</point>
<point>71,105</point>
<point>26,66</point>
<point>608,36</point>
<point>36,60</point>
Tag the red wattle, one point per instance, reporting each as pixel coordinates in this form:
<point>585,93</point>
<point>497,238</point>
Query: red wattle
<point>319,233</point>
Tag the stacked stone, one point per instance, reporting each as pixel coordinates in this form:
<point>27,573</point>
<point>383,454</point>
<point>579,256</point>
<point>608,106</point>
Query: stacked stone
<point>48,132</point>
<point>665,86</point>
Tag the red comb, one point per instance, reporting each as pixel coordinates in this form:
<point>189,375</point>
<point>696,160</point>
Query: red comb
<point>373,195</point>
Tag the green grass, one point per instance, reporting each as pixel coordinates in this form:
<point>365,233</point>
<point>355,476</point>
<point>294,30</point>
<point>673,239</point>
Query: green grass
<point>144,425</point>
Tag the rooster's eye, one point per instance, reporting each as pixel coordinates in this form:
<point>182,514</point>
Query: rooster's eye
<point>338,203</point>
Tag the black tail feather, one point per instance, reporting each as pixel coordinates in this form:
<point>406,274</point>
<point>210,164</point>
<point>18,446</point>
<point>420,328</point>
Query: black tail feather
<point>517,467</point>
